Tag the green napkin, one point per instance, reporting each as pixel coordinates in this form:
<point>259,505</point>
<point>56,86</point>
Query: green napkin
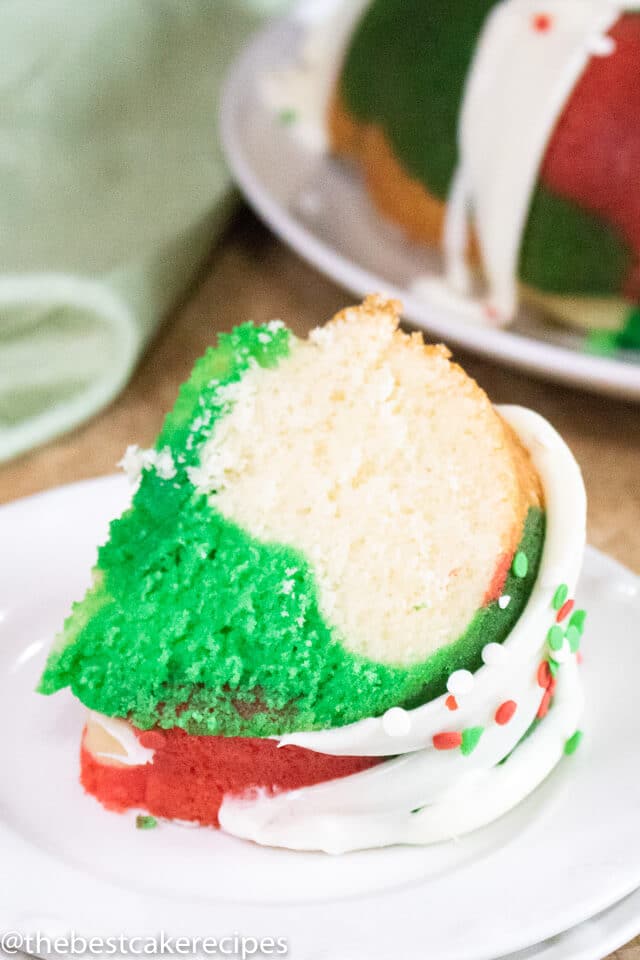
<point>112,189</point>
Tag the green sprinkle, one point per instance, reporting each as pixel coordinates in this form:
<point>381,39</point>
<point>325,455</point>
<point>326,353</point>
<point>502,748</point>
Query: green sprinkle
<point>145,822</point>
<point>573,636</point>
<point>288,116</point>
<point>560,596</point>
<point>470,739</point>
<point>573,743</point>
<point>520,565</point>
<point>555,637</point>
<point>577,620</point>
<point>554,666</point>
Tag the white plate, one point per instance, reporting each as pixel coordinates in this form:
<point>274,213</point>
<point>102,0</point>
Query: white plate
<point>592,940</point>
<point>319,207</point>
<point>571,850</point>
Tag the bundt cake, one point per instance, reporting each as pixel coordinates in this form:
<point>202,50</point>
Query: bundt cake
<point>335,537</point>
<point>519,117</point>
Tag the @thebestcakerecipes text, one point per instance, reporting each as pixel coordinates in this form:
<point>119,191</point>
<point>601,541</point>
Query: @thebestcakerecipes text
<point>234,946</point>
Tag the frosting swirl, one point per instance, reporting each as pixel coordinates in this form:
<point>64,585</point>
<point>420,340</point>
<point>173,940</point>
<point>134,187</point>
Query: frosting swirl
<point>449,774</point>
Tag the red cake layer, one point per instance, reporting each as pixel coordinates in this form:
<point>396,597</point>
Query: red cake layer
<point>594,154</point>
<point>190,775</point>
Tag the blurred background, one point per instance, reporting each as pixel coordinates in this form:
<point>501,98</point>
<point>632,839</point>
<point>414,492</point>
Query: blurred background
<point>112,191</point>
<point>124,248</point>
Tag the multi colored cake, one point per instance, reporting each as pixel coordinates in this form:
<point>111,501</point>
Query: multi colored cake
<point>508,133</point>
<point>334,556</point>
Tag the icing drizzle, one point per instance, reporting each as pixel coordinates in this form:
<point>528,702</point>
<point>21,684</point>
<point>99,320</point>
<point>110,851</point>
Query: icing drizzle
<point>466,785</point>
<point>526,65</point>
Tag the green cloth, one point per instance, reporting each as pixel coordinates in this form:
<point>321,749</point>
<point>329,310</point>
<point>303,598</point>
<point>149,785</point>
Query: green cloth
<point>112,189</point>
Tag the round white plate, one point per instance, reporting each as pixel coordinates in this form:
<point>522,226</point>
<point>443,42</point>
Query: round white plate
<point>571,850</point>
<point>592,940</point>
<point>319,207</point>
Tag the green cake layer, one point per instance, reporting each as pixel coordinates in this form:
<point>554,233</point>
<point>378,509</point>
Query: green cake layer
<point>405,72</point>
<point>184,625</point>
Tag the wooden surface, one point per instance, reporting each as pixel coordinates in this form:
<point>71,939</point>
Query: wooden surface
<point>251,276</point>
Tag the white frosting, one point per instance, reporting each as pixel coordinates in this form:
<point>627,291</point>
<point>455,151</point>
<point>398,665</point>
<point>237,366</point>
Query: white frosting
<point>135,755</point>
<point>519,82</point>
<point>458,792</point>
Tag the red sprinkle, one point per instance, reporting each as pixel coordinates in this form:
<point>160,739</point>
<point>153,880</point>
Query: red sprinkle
<point>565,610</point>
<point>541,22</point>
<point>543,709</point>
<point>152,739</point>
<point>447,741</point>
<point>505,712</point>
<point>544,675</point>
<point>579,658</point>
<point>451,703</point>
<point>551,689</point>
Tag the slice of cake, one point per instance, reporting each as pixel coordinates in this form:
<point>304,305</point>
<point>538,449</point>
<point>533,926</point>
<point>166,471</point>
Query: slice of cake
<point>327,538</point>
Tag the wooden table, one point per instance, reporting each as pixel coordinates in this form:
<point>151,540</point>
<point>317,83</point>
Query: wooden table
<point>251,276</point>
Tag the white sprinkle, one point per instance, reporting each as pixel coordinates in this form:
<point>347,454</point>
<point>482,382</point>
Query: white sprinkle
<point>504,601</point>
<point>493,654</point>
<point>287,587</point>
<point>460,683</point>
<point>264,337</point>
<point>396,722</point>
